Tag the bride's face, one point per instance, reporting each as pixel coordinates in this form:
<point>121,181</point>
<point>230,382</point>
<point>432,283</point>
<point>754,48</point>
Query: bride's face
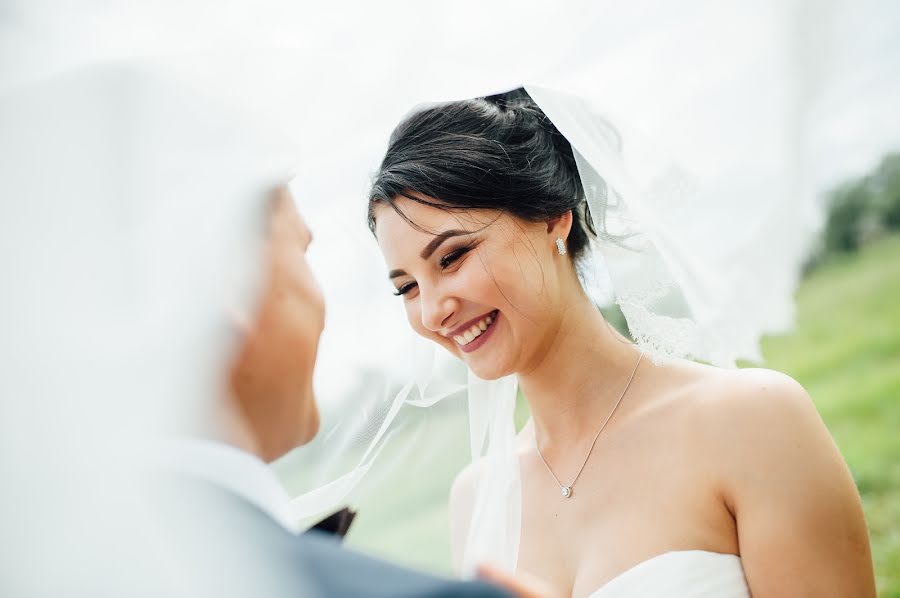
<point>480,283</point>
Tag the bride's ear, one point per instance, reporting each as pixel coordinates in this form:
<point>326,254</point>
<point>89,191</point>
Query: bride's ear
<point>560,226</point>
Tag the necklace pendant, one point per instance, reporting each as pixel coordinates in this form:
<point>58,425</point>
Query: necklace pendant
<point>566,491</point>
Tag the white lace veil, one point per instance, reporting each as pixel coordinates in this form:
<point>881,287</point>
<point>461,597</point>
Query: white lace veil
<point>688,271</point>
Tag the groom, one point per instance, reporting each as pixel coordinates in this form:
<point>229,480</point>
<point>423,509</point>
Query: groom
<point>132,219</point>
<point>268,410</point>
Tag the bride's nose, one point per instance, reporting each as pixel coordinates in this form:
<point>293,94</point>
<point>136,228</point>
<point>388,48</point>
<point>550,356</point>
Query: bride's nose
<point>437,309</point>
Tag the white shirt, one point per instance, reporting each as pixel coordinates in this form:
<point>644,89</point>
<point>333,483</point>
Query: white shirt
<point>237,471</point>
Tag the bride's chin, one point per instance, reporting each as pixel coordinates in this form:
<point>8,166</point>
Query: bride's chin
<point>486,371</point>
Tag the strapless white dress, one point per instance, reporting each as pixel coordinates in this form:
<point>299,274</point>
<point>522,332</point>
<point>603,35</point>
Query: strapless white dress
<point>681,574</point>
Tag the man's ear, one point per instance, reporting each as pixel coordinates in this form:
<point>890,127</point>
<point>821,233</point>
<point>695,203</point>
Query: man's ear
<point>560,226</point>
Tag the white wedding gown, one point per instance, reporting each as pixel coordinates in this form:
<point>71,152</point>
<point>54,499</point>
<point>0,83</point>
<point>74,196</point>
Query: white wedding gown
<point>680,574</point>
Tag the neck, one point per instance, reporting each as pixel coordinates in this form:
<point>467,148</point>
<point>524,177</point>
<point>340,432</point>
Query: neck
<point>568,410</point>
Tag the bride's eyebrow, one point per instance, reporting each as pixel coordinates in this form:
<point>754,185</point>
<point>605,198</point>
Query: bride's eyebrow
<point>438,239</point>
<point>432,247</point>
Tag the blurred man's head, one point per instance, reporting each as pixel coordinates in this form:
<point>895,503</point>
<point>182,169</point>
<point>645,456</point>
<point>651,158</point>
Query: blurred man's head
<point>271,377</point>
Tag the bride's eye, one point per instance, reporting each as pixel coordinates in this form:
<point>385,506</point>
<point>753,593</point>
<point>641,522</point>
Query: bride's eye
<point>453,256</point>
<point>405,289</point>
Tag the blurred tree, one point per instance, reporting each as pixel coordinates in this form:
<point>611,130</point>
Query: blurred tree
<point>847,207</point>
<point>861,209</point>
<point>885,184</point>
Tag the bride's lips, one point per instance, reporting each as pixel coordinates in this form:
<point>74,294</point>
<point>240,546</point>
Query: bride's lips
<point>481,338</point>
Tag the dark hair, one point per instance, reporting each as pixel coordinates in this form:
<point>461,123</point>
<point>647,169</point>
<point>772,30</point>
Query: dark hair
<point>498,152</point>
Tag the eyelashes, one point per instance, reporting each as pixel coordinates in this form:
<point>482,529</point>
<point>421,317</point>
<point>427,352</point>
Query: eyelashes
<point>448,260</point>
<point>444,263</point>
<point>405,289</point>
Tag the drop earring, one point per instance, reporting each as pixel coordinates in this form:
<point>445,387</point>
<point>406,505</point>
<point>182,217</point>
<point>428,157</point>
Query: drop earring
<point>560,246</point>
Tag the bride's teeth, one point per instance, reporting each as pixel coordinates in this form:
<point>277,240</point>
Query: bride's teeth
<point>474,332</point>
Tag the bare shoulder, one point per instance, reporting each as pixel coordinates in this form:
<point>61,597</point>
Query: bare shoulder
<point>758,420</point>
<point>462,492</point>
<point>462,499</point>
<point>727,408</point>
<point>755,400</point>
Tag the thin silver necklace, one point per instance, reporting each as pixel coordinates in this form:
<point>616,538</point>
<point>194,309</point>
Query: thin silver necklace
<point>566,489</point>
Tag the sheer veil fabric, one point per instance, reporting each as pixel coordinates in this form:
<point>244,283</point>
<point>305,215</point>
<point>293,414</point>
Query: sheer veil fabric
<point>135,207</point>
<point>95,87</point>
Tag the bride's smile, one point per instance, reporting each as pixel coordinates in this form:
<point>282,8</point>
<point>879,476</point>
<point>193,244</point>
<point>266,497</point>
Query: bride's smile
<point>474,333</point>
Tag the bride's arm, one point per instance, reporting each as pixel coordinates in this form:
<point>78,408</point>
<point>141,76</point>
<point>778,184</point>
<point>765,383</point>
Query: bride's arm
<point>799,518</point>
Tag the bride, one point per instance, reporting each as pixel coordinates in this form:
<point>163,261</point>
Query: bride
<point>639,474</point>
